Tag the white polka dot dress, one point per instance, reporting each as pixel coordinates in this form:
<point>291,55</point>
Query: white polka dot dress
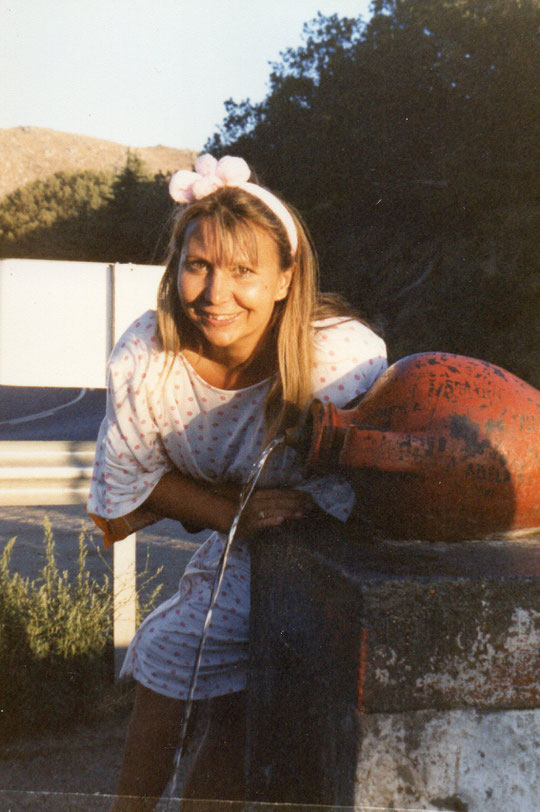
<point>161,415</point>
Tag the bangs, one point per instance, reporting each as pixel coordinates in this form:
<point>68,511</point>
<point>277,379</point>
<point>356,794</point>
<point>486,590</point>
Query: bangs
<point>231,240</point>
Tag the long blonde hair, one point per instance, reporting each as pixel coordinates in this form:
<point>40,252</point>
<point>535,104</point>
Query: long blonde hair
<point>232,213</point>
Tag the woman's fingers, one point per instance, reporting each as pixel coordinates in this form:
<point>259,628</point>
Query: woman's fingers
<point>271,507</point>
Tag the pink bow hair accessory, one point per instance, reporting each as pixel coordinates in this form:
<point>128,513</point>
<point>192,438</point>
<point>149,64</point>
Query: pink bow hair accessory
<point>211,174</point>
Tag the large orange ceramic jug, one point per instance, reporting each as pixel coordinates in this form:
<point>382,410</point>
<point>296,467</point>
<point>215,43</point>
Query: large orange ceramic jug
<point>442,447</point>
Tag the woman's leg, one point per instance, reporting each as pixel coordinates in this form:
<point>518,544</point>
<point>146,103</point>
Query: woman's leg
<point>151,742</point>
<point>153,737</point>
<point>218,769</point>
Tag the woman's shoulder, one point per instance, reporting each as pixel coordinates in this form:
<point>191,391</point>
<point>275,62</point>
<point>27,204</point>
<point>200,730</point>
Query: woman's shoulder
<point>348,357</point>
<point>139,336</point>
<point>346,334</point>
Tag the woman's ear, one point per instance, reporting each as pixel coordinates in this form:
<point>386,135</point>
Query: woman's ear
<point>284,283</point>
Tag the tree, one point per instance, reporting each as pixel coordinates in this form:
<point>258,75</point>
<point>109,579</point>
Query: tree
<point>137,213</point>
<point>410,144</point>
<point>33,217</point>
<point>89,216</point>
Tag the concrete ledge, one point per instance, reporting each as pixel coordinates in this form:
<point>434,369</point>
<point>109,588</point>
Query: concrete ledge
<point>354,640</point>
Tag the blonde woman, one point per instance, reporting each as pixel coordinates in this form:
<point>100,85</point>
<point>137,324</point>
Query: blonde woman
<point>241,341</point>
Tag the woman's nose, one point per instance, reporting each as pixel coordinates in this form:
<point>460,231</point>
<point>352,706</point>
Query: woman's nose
<point>217,287</point>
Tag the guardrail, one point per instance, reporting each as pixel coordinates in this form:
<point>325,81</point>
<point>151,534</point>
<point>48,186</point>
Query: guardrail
<point>45,473</point>
<point>59,473</point>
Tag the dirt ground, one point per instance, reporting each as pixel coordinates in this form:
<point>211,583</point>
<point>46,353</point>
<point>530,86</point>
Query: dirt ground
<point>76,770</point>
<point>73,771</point>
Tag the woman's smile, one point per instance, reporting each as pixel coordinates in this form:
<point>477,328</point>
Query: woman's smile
<point>219,318</point>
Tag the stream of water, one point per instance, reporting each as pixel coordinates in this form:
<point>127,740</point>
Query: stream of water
<point>247,490</point>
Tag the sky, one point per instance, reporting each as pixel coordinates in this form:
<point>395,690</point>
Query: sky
<point>144,72</point>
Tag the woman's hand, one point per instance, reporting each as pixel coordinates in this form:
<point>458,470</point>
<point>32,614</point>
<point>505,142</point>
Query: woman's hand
<point>271,507</point>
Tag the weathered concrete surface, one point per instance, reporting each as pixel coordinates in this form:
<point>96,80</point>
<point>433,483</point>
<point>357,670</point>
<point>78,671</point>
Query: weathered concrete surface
<point>451,643</point>
<point>377,667</point>
<point>465,761</point>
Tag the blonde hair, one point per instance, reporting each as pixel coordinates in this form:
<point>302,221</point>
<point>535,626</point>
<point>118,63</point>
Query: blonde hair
<point>232,213</point>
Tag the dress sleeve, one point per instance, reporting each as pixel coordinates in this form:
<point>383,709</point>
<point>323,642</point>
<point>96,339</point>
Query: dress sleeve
<point>130,456</point>
<point>349,357</point>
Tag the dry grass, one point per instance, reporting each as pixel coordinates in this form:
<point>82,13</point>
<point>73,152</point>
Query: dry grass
<point>33,153</point>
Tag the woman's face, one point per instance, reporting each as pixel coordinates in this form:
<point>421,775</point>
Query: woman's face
<point>229,299</point>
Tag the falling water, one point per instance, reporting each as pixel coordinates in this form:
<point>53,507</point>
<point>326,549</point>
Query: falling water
<point>246,492</point>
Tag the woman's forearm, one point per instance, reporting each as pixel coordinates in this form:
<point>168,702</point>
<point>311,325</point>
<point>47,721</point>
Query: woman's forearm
<point>199,504</point>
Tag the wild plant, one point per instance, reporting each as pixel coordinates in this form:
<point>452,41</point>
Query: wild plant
<point>56,640</point>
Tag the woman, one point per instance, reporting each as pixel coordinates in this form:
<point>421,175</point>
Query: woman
<point>240,343</point>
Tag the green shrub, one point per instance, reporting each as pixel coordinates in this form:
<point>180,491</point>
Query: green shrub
<point>56,643</point>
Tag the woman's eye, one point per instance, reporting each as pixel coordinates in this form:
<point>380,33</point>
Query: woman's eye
<point>243,270</point>
<point>196,264</point>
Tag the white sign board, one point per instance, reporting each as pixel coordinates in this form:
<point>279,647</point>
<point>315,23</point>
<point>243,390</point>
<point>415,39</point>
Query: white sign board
<point>60,320</point>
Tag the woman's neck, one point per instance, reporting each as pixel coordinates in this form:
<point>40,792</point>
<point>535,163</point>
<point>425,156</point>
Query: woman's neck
<point>230,367</point>
<point>225,371</point>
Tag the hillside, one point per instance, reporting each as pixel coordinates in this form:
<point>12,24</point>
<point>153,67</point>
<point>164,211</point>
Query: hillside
<point>31,153</point>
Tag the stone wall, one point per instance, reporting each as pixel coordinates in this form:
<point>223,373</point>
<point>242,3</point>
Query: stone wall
<point>394,674</point>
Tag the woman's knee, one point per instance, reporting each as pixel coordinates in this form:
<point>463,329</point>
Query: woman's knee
<point>230,708</point>
<point>156,714</point>
<point>227,720</point>
<point>218,769</point>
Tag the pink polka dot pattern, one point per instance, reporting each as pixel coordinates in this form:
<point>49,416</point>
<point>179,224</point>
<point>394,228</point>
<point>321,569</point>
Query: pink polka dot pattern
<point>163,651</point>
<point>214,435</point>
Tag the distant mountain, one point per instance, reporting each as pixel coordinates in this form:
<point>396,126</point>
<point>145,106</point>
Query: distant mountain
<point>31,153</point>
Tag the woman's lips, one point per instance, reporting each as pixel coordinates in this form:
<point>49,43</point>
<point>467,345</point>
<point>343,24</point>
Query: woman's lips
<point>218,318</point>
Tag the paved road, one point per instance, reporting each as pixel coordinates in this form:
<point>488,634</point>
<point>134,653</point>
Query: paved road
<point>47,413</point>
<point>75,414</point>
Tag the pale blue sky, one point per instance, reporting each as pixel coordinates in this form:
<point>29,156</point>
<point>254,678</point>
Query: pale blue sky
<point>143,72</point>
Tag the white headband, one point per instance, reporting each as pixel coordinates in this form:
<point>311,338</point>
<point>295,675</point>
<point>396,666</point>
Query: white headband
<point>210,175</point>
